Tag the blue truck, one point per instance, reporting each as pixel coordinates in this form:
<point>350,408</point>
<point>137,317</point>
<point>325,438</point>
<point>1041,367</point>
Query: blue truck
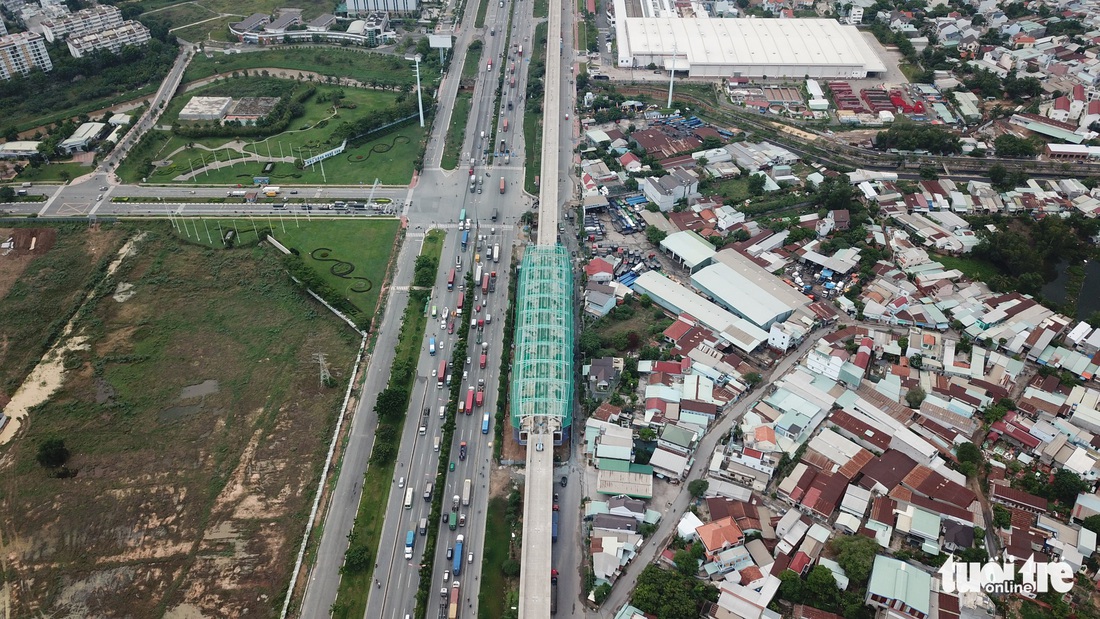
<point>465,239</point>
<point>554,529</point>
<point>410,539</point>
<point>457,567</point>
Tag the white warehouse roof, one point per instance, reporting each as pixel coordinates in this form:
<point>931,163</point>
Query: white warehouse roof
<point>741,295</point>
<point>689,247</point>
<point>747,47</point>
<point>679,299</point>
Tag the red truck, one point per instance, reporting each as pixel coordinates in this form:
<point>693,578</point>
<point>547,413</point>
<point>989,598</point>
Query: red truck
<point>502,184</point>
<point>485,284</point>
<point>483,361</point>
<point>506,125</point>
<point>470,401</point>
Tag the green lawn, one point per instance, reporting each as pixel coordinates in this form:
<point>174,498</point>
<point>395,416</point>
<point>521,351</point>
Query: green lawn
<point>214,30</point>
<point>390,157</point>
<point>460,115</point>
<point>482,8</point>
<point>498,535</point>
<point>733,189</point>
<point>177,15</point>
<point>54,172</point>
<point>977,270</point>
<point>472,64</point>
<point>364,244</point>
<point>911,72</point>
<point>362,66</point>
<point>541,8</point>
<point>532,118</point>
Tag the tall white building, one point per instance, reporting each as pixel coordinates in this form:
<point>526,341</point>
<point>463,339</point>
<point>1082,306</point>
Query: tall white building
<point>21,52</point>
<point>3,28</point>
<point>129,33</point>
<point>362,7</point>
<point>94,19</point>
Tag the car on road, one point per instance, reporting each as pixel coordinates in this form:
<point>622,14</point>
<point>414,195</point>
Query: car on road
<point>446,575</point>
<point>538,446</point>
<point>451,327</point>
<point>435,372</point>
<point>564,481</point>
<point>477,308</point>
<point>401,483</point>
<point>452,467</point>
<point>294,192</point>
<point>450,553</point>
<point>471,558</point>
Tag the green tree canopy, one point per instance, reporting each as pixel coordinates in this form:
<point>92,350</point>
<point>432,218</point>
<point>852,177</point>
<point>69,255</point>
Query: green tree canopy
<point>52,453</point>
<point>856,554</point>
<point>698,487</point>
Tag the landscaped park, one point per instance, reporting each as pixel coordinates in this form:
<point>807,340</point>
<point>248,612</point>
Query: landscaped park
<point>170,456</point>
<point>379,130</point>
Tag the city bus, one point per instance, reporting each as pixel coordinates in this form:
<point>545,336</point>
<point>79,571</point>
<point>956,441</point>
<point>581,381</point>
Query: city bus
<point>461,218</point>
<point>409,498</point>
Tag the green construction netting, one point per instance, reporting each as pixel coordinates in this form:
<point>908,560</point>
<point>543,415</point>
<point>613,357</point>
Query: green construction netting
<point>542,374</point>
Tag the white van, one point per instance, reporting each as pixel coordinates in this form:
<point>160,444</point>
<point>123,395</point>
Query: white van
<point>442,412</point>
<point>423,430</point>
<point>437,443</point>
<point>434,311</point>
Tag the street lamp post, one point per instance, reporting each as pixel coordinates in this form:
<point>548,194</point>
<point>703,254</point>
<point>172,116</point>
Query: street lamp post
<point>419,99</point>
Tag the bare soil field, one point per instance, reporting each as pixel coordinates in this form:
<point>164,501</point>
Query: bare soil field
<point>197,425</point>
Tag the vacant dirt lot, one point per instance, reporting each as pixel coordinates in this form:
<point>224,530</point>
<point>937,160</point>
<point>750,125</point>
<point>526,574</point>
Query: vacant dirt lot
<point>180,502</point>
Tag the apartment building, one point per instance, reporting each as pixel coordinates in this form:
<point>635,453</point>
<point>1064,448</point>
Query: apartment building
<point>114,39</point>
<point>85,21</point>
<point>21,52</point>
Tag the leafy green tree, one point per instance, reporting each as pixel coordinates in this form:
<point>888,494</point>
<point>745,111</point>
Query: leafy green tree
<point>998,174</point>
<point>52,453</point>
<point>1002,518</point>
<point>1064,487</point>
<point>601,593</point>
<point>698,487</point>
<point>969,452</point>
<point>669,595</point>
<point>1008,145</point>
<point>655,235</point>
<point>915,396</point>
<point>590,343</point>
<point>791,587</point>
<point>756,184</point>
<point>821,587</point>
<point>753,379</point>
<point>1092,523</point>
<point>685,563</point>
<point>856,554</point>
<point>510,568</point>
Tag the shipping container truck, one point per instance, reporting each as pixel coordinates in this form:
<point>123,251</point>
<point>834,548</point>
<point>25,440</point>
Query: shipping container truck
<point>452,521</point>
<point>484,284</point>
<point>502,184</point>
<point>505,125</point>
<point>456,600</point>
<point>442,370</point>
<point>457,566</point>
<point>480,397</point>
<point>470,401</point>
<point>465,239</point>
<point>484,357</point>
<point>477,274</point>
<point>461,300</point>
<point>431,345</point>
<point>410,539</point>
<point>493,275</point>
<point>271,191</point>
<point>467,487</point>
<point>451,280</point>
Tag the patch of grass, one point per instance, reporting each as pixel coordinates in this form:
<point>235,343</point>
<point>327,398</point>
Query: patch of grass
<point>482,8</point>
<point>54,172</point>
<point>532,115</point>
<point>177,15</point>
<point>452,148</point>
<point>358,248</point>
<point>38,305</point>
<point>355,587</point>
<point>733,189</point>
<point>977,270</point>
<point>541,9</point>
<point>472,63</point>
<point>214,30</point>
<point>196,314</point>
<point>379,70</point>
<point>498,537</point>
<point>911,72</point>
